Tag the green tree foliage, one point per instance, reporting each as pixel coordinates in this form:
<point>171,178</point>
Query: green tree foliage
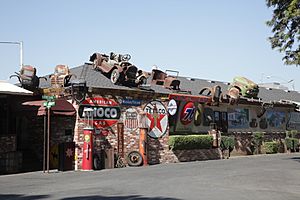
<point>285,26</point>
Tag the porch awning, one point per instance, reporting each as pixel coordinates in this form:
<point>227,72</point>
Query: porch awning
<point>8,88</point>
<point>62,107</point>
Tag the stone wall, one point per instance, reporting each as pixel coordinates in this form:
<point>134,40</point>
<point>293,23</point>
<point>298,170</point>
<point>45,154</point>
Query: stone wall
<point>191,155</point>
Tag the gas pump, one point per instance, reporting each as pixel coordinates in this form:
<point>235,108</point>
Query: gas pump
<point>88,132</point>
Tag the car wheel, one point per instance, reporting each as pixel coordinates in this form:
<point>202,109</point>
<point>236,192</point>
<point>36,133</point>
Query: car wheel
<point>114,76</point>
<point>134,159</point>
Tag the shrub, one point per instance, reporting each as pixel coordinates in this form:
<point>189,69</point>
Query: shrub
<point>257,139</point>
<point>291,143</point>
<point>227,143</point>
<point>182,142</point>
<point>271,147</point>
<point>291,133</point>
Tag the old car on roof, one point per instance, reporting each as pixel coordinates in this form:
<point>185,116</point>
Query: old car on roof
<point>168,81</point>
<point>61,76</point>
<point>116,67</point>
<point>28,78</point>
<point>246,87</point>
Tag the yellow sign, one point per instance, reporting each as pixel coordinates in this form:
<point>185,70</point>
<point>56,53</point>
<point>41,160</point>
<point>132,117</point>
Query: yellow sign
<point>87,138</point>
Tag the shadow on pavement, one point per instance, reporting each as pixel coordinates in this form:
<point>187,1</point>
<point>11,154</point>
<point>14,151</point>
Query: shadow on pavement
<point>132,197</point>
<point>22,197</point>
<point>295,158</point>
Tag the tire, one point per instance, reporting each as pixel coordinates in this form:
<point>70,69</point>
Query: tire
<point>96,163</point>
<point>134,159</point>
<point>115,76</point>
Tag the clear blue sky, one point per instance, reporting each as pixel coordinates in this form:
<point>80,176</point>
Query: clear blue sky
<point>215,40</point>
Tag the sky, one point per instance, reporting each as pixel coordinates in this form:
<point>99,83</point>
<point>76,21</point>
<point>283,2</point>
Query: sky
<point>214,40</point>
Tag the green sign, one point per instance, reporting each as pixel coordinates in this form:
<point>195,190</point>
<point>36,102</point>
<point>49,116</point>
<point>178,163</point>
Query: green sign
<point>49,104</point>
<point>48,98</point>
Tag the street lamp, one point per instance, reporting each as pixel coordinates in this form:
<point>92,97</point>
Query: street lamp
<point>21,49</point>
<point>277,77</point>
<point>285,81</point>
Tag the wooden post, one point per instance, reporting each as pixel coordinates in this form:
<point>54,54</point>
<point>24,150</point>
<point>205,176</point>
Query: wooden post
<point>48,141</point>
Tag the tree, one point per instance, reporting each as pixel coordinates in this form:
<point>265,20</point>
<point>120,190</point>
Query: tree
<point>285,25</point>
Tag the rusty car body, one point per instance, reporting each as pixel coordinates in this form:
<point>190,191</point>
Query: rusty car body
<point>28,78</point>
<point>61,76</point>
<point>246,87</point>
<point>162,78</point>
<point>116,67</point>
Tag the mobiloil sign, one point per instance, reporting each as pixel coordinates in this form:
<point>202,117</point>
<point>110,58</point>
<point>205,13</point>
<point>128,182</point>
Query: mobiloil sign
<point>106,111</point>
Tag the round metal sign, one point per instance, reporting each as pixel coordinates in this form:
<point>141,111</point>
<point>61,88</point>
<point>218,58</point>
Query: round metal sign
<point>187,113</point>
<point>156,119</point>
<point>172,107</point>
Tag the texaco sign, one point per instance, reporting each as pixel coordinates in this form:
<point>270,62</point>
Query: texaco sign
<point>106,112</point>
<point>156,119</point>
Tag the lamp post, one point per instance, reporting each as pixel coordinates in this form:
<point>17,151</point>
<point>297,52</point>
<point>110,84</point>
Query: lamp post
<point>283,81</point>
<point>20,43</point>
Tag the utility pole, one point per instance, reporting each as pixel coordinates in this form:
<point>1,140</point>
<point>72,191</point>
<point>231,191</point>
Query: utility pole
<point>20,43</point>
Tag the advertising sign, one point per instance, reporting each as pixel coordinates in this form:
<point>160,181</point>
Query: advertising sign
<point>156,119</point>
<point>187,113</point>
<point>106,111</point>
<point>293,121</point>
<point>131,102</point>
<point>131,119</point>
<point>276,119</point>
<point>172,107</point>
<point>238,118</point>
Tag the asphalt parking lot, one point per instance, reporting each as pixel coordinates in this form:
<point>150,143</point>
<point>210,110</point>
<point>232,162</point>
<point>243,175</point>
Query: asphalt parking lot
<point>252,177</point>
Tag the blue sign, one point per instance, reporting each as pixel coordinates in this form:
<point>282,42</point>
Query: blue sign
<point>131,102</point>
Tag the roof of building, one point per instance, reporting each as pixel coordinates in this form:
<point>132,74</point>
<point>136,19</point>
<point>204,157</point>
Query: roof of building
<point>96,79</point>
<point>8,88</point>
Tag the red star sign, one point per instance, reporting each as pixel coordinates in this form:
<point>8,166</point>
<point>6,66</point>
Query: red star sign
<point>155,120</point>
<point>69,152</point>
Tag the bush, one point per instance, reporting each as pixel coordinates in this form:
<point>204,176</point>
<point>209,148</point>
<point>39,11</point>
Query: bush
<point>291,133</point>
<point>182,142</point>
<point>291,143</point>
<point>257,140</point>
<point>227,143</point>
<point>271,147</point>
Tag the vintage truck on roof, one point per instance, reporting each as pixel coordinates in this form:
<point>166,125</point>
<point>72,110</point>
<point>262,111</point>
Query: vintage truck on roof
<point>61,76</point>
<point>245,87</point>
<point>164,79</point>
<point>117,68</point>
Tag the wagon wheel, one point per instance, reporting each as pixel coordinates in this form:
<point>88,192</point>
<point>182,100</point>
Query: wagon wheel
<point>114,76</point>
<point>134,159</point>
